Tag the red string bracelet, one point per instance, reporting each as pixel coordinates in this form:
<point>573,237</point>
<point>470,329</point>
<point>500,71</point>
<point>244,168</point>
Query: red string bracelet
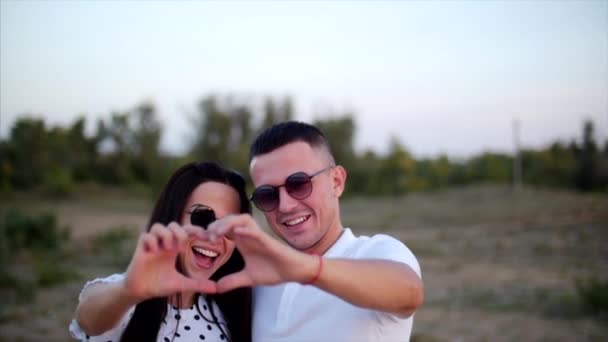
<point>316,277</point>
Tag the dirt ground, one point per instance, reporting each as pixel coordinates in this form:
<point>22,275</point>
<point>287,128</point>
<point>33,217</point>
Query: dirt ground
<point>497,265</point>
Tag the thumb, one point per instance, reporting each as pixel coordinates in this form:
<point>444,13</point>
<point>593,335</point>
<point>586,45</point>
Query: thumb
<point>233,281</point>
<point>198,285</point>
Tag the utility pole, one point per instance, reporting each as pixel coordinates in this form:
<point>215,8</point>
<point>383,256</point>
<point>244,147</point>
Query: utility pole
<point>516,156</point>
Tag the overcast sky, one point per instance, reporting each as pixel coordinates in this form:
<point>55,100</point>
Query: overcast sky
<point>444,77</point>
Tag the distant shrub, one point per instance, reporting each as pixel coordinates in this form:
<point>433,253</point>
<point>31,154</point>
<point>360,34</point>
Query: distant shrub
<point>559,303</point>
<point>23,289</point>
<point>51,273</point>
<point>113,238</point>
<point>20,287</point>
<point>593,294</point>
<point>7,279</point>
<point>30,249</point>
<point>422,337</point>
<point>32,232</point>
<point>58,182</point>
<point>115,246</point>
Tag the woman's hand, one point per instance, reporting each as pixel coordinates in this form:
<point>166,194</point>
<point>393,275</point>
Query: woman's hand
<point>152,271</point>
<point>267,261</point>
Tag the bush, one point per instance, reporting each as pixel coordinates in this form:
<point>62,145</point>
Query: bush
<point>36,232</point>
<point>31,255</point>
<point>58,182</point>
<point>113,239</point>
<point>115,246</point>
<point>51,273</point>
<point>22,289</point>
<point>593,293</point>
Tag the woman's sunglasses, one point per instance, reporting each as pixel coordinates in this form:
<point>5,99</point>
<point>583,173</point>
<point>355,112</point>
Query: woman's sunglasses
<point>297,185</point>
<point>202,216</point>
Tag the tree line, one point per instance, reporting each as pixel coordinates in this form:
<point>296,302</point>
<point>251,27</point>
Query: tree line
<point>125,150</point>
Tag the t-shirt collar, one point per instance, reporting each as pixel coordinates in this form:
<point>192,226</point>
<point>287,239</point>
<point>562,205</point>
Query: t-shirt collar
<point>338,248</point>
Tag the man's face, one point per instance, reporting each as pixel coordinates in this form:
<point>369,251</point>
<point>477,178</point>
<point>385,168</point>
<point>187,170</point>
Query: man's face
<point>303,224</point>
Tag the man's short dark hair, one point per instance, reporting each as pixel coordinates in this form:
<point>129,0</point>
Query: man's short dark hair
<point>285,133</point>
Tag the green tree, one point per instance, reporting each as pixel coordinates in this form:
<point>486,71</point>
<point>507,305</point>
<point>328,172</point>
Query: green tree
<point>553,167</point>
<point>129,147</point>
<point>275,112</point>
<point>587,160</point>
<point>212,131</point>
<point>340,132</point>
<point>435,173</point>
<point>491,167</point>
<point>27,152</point>
<point>397,172</point>
<point>116,149</point>
<point>363,176</point>
<point>146,140</point>
<point>241,117</point>
<point>82,151</point>
<point>223,131</point>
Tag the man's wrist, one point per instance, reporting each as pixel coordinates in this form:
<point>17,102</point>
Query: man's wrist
<point>312,269</point>
<point>314,279</point>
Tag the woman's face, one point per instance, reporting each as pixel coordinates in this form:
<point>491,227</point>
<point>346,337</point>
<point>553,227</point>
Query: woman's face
<point>202,258</point>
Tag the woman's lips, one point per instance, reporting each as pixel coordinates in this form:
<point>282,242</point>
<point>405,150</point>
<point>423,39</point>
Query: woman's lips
<point>204,258</point>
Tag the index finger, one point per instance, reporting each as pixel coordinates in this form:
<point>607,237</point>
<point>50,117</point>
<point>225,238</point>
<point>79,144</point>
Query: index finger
<point>196,231</point>
<point>198,285</point>
<point>226,224</point>
<point>233,281</point>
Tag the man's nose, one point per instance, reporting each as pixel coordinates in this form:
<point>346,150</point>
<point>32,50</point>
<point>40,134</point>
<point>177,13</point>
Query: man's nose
<point>286,202</point>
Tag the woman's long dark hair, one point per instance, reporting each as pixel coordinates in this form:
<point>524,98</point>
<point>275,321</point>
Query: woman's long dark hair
<point>235,305</point>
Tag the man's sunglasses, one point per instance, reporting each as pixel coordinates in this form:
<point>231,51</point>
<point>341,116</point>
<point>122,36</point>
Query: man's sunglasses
<point>297,185</point>
<point>201,216</point>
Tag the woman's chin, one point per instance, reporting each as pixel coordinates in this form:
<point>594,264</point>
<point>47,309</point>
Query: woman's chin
<point>199,274</point>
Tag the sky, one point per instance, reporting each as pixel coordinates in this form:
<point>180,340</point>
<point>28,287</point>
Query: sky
<point>441,76</point>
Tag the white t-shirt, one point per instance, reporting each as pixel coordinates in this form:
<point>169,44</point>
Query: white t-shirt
<point>294,312</point>
<point>192,324</point>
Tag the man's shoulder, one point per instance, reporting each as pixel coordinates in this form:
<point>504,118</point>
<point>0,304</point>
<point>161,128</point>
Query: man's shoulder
<point>382,246</point>
<point>375,239</point>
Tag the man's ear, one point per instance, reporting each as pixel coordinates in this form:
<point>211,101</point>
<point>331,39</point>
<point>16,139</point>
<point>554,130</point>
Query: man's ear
<point>338,180</point>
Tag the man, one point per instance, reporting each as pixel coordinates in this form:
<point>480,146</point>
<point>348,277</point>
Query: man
<point>329,285</point>
<point>326,284</point>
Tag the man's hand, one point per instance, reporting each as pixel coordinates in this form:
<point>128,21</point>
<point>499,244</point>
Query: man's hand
<point>376,284</point>
<point>152,271</point>
<point>267,261</point>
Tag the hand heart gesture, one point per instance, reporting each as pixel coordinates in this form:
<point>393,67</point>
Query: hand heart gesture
<point>152,271</point>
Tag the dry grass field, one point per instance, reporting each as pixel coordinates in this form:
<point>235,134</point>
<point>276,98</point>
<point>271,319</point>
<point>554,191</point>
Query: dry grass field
<point>498,265</point>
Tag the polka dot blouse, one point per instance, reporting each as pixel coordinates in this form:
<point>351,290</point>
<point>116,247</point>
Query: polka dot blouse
<point>190,324</point>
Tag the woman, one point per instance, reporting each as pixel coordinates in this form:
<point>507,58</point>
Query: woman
<point>159,297</point>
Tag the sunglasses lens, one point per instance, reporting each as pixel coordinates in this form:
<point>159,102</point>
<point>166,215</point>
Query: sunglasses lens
<point>266,198</point>
<point>298,185</point>
<point>202,217</point>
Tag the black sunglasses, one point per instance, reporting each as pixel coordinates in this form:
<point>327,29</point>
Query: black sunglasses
<point>202,216</point>
<point>298,186</point>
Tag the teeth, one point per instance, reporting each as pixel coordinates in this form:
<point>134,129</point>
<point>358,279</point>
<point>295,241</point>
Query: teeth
<point>205,252</point>
<point>295,221</point>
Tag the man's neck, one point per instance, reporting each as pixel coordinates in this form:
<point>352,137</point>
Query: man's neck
<point>327,241</point>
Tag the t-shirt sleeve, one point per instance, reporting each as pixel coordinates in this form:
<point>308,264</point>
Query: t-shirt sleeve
<point>113,334</point>
<point>384,247</point>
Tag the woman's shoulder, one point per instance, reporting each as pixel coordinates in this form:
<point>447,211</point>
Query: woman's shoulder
<point>112,278</point>
<point>113,334</point>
